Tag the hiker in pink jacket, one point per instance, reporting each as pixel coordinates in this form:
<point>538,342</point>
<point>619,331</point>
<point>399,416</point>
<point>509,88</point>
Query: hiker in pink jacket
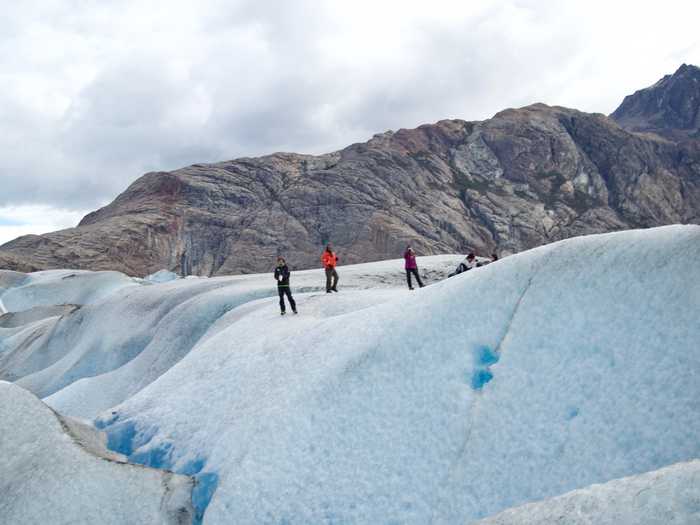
<point>411,266</point>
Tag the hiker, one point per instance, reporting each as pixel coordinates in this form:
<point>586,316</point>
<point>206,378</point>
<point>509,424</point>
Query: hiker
<point>329,260</point>
<point>494,258</point>
<point>411,267</point>
<point>467,264</point>
<point>282,278</point>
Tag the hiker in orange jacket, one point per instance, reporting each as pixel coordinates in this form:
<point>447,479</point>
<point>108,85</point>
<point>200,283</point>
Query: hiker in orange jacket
<point>329,260</point>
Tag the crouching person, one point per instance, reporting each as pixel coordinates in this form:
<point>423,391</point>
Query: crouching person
<point>465,265</point>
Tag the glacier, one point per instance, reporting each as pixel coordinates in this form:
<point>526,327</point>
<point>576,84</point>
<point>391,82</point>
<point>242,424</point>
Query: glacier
<point>668,495</point>
<point>55,470</point>
<point>569,365</point>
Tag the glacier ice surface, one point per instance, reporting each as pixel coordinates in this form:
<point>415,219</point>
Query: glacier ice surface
<point>57,471</point>
<point>571,364</point>
<point>660,497</point>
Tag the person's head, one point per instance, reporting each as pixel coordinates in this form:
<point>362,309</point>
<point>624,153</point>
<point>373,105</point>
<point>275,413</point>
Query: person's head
<point>329,248</point>
<point>280,261</point>
<point>471,257</point>
<point>408,248</point>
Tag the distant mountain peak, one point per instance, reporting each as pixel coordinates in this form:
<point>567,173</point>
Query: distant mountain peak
<point>670,107</point>
<point>688,67</point>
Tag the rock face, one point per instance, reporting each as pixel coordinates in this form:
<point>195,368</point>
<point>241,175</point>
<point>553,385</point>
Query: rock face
<point>523,178</point>
<point>671,107</point>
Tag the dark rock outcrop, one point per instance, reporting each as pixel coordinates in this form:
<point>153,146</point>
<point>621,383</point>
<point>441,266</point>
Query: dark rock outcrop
<point>523,178</point>
<point>670,108</point>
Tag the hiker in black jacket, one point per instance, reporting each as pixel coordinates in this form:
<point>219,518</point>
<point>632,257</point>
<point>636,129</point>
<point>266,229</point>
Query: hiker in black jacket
<point>282,278</point>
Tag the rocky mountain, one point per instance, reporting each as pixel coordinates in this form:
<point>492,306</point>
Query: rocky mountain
<point>670,108</point>
<point>523,178</point>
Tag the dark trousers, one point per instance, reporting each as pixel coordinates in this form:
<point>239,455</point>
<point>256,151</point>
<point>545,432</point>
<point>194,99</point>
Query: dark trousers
<point>284,290</point>
<point>413,271</point>
<point>330,272</point>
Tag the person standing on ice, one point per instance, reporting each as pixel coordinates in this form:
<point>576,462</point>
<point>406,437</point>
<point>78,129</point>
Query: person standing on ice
<point>282,278</point>
<point>330,260</point>
<point>411,267</point>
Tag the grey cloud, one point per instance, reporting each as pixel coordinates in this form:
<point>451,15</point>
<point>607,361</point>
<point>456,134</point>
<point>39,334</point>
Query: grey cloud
<point>161,87</point>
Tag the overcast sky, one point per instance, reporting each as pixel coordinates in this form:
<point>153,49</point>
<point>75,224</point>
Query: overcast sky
<point>95,93</point>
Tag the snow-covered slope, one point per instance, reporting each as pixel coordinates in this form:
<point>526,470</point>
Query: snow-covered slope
<point>668,495</point>
<point>128,332</point>
<point>571,364</point>
<point>385,413</point>
<point>53,287</point>
<point>53,471</point>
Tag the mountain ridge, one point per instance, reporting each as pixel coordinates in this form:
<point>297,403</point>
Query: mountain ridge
<point>525,177</point>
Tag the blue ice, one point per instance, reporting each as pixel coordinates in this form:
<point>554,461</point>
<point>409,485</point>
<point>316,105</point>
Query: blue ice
<point>120,438</point>
<point>480,378</point>
<point>484,357</point>
<point>202,493</point>
<point>156,457</point>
